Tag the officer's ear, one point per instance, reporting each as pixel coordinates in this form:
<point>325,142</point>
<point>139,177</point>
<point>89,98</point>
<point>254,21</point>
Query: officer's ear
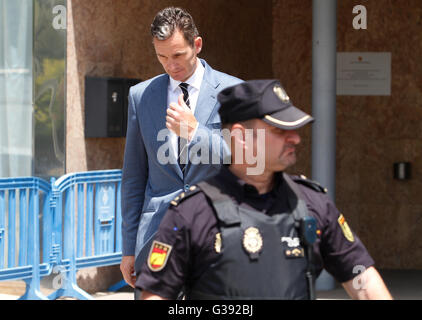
<point>238,134</point>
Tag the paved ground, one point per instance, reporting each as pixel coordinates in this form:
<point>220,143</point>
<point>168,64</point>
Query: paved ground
<point>403,285</point>
<point>97,296</point>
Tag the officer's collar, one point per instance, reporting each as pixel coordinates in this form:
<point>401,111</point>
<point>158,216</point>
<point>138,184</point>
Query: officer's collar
<point>236,183</point>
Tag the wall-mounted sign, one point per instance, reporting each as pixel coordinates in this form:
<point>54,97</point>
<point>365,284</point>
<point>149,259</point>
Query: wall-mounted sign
<point>364,73</point>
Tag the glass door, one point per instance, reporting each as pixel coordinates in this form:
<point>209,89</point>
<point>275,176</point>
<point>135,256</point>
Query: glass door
<point>32,87</point>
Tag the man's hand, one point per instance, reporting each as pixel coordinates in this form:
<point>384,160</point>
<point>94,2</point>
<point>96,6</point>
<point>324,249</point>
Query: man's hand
<point>181,120</point>
<point>127,267</point>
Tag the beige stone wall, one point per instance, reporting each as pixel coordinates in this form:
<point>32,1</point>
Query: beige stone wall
<point>372,132</point>
<point>265,39</point>
<point>292,64</point>
<point>111,38</point>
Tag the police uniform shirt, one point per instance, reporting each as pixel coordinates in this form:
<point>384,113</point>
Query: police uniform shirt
<point>186,239</point>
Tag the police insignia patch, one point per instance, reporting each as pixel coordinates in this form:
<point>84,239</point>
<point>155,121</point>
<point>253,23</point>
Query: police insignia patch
<point>345,228</point>
<point>158,255</point>
<point>281,94</point>
<point>252,242</point>
<point>217,243</point>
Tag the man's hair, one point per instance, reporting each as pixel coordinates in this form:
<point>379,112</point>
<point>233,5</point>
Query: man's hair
<point>168,20</point>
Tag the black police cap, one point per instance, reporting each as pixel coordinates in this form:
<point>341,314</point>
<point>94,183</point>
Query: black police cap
<point>261,99</point>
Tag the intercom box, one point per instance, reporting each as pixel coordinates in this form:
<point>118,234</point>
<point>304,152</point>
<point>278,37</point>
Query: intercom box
<point>106,106</point>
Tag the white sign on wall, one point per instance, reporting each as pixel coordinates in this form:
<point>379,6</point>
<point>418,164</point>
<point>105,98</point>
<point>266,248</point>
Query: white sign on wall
<point>364,73</point>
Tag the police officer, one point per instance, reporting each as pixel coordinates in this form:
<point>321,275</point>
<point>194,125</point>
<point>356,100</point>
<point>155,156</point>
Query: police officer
<point>240,234</point>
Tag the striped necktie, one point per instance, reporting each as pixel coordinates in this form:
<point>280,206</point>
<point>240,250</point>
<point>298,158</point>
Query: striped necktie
<point>182,143</point>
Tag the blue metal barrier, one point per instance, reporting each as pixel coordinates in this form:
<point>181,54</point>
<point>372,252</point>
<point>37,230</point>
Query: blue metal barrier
<point>81,227</point>
<point>87,205</point>
<point>20,200</point>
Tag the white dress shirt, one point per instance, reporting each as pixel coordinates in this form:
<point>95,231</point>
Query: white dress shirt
<point>174,91</point>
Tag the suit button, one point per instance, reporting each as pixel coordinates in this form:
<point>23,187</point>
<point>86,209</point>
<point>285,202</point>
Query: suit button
<point>187,187</point>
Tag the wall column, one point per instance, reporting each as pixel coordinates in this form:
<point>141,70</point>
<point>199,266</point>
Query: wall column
<point>324,52</point>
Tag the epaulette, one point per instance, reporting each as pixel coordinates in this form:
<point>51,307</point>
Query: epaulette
<point>309,183</point>
<point>184,195</point>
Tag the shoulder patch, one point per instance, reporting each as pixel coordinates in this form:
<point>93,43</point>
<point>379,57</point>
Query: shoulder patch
<point>158,255</point>
<point>345,228</point>
<point>309,183</point>
<point>184,195</point>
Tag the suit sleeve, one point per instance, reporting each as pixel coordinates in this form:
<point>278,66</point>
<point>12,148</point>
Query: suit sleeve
<point>134,179</point>
<point>212,142</point>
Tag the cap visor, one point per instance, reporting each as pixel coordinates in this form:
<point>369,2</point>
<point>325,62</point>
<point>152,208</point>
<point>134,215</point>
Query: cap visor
<point>290,118</point>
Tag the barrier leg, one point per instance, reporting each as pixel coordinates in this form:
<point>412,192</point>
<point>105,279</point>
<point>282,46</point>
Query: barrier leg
<point>72,291</point>
<point>33,285</point>
<point>117,286</point>
<point>32,292</point>
<point>66,281</point>
<point>68,285</point>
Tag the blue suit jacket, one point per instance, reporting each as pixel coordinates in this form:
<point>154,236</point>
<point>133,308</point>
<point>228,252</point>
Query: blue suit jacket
<point>148,186</point>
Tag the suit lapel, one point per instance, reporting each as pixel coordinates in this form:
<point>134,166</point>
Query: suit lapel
<point>157,102</point>
<point>207,100</point>
<point>157,109</point>
<point>207,103</point>
<point>157,106</point>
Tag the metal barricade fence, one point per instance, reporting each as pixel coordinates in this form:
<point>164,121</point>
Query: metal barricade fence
<point>20,200</point>
<point>81,227</point>
<point>91,233</point>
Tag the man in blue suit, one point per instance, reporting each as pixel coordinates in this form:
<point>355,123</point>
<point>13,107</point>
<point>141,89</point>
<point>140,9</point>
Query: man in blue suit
<point>161,134</point>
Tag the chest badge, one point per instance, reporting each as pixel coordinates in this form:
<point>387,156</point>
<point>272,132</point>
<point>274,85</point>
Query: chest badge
<point>217,243</point>
<point>158,256</point>
<point>294,250</point>
<point>252,242</point>
<point>295,253</point>
<point>292,242</point>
